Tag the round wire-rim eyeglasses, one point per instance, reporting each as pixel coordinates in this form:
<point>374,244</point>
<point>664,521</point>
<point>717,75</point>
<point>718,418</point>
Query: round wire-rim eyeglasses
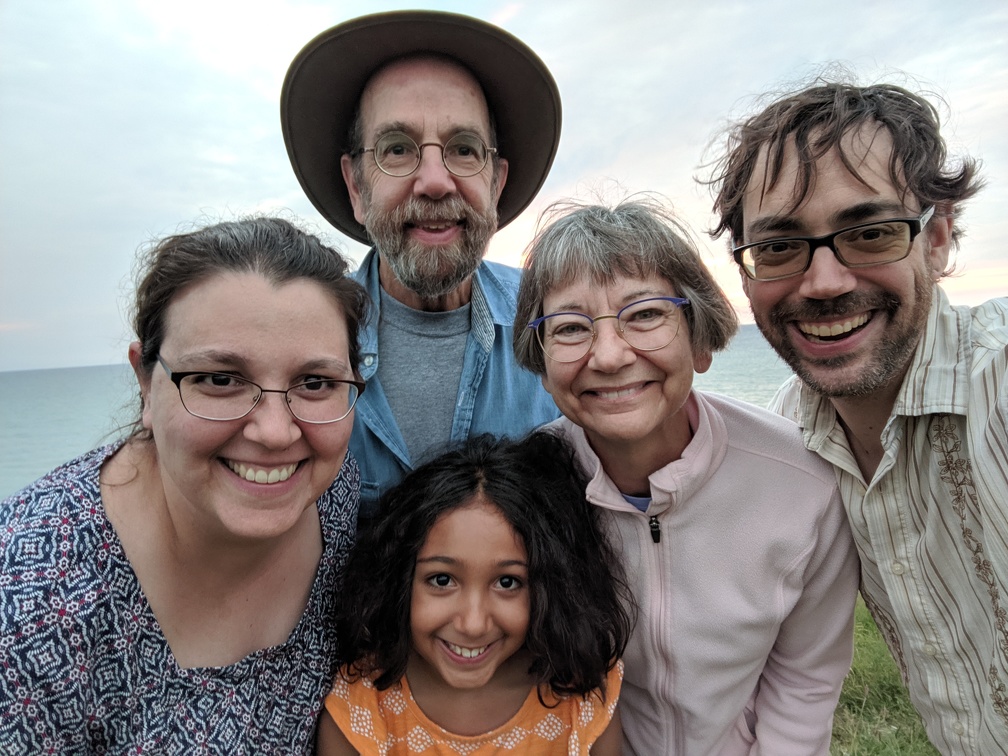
<point>463,155</point>
<point>621,326</point>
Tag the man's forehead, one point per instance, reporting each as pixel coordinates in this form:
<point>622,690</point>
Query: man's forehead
<point>412,75</point>
<point>861,155</point>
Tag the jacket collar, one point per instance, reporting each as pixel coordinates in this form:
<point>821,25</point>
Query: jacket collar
<point>670,485</point>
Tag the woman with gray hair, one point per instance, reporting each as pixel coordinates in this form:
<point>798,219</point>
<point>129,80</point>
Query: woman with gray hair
<point>732,534</point>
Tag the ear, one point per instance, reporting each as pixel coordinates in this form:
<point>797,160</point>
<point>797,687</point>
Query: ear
<point>346,168</point>
<point>143,379</point>
<point>939,236</point>
<point>702,361</point>
<point>502,173</point>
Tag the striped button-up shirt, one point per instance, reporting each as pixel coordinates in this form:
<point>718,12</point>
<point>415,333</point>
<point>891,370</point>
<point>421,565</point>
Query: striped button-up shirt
<point>931,526</point>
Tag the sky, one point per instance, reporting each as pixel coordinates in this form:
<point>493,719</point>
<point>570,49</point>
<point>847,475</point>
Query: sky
<point>122,121</point>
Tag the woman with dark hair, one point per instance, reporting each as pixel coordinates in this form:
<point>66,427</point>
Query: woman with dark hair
<point>743,563</point>
<point>484,607</point>
<point>172,592</point>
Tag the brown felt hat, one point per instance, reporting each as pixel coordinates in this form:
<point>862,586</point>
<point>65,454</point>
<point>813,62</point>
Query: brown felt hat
<point>325,81</point>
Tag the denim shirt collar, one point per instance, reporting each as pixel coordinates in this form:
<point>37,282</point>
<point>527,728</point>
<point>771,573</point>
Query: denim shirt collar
<point>491,305</point>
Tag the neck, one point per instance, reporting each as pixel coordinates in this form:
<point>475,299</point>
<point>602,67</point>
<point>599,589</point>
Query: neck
<point>216,600</point>
<point>471,711</point>
<point>630,464</point>
<point>452,300</point>
<point>863,419</point>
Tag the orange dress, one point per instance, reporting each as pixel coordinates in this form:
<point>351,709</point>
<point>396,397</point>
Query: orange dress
<point>389,722</point>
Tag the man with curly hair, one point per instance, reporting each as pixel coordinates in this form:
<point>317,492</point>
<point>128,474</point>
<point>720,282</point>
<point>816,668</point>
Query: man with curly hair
<point>842,208</point>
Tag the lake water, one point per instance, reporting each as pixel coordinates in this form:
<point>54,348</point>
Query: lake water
<point>50,416</point>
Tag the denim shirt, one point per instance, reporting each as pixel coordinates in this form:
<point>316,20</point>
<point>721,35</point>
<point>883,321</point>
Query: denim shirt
<point>495,395</point>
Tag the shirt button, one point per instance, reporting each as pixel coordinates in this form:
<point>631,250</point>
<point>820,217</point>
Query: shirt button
<point>898,568</point>
<point>369,360</point>
<point>957,728</point>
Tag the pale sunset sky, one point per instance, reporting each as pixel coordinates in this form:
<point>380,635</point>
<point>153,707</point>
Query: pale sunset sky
<point>125,120</point>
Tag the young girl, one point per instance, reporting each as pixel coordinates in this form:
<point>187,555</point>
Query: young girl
<point>482,614</point>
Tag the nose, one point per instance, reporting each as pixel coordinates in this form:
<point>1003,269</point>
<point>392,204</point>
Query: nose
<point>610,352</point>
<point>473,617</point>
<point>431,178</point>
<point>826,276</point>
<point>271,423</point>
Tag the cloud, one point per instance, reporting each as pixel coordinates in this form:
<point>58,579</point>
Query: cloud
<point>12,327</point>
<point>121,122</point>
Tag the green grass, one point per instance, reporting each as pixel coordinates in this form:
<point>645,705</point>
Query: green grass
<point>874,716</point>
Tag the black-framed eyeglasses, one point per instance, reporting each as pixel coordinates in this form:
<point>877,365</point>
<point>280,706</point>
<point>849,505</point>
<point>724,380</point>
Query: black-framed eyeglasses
<point>398,154</point>
<point>647,325</point>
<point>222,396</point>
<point>860,246</point>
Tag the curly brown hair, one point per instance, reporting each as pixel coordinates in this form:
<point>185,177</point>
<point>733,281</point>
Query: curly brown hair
<point>815,121</point>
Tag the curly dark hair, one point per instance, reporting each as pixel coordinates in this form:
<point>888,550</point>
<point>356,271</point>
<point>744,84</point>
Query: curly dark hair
<point>581,610</point>
<point>814,121</point>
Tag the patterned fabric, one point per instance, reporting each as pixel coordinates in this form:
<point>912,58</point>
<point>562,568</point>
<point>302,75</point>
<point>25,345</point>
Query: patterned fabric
<point>932,524</point>
<point>84,667</point>
<point>380,722</point>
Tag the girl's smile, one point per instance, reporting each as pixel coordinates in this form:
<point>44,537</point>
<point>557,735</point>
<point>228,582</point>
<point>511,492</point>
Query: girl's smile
<point>469,610</point>
<point>466,653</point>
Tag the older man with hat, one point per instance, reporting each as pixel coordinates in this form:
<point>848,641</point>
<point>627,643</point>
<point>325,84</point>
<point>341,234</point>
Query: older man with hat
<point>421,133</point>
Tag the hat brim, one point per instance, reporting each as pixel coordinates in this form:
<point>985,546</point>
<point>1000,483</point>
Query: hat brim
<point>324,83</point>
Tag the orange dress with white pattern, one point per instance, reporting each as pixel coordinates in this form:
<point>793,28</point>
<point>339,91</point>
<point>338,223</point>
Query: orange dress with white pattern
<point>389,722</point>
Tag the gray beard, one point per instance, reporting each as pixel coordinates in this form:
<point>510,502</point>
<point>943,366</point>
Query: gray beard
<point>431,273</point>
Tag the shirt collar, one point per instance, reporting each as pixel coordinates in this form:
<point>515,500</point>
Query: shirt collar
<point>492,304</point>
<point>937,380</point>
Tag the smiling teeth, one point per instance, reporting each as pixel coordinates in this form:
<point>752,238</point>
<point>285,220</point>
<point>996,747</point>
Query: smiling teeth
<point>254,475</point>
<point>466,653</point>
<point>614,394</point>
<point>810,329</point>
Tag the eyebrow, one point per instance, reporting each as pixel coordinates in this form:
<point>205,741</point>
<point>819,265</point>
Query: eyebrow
<point>571,306</point>
<point>232,360</point>
<point>325,363</point>
<point>862,212</point>
<point>219,356</point>
<point>452,562</point>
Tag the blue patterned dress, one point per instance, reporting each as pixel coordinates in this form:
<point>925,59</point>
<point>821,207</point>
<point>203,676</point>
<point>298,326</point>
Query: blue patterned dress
<point>84,667</point>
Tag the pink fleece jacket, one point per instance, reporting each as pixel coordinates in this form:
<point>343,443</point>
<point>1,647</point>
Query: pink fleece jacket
<point>746,575</point>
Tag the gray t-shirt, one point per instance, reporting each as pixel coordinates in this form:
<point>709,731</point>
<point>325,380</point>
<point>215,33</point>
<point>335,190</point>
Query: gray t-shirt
<point>420,370</point>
